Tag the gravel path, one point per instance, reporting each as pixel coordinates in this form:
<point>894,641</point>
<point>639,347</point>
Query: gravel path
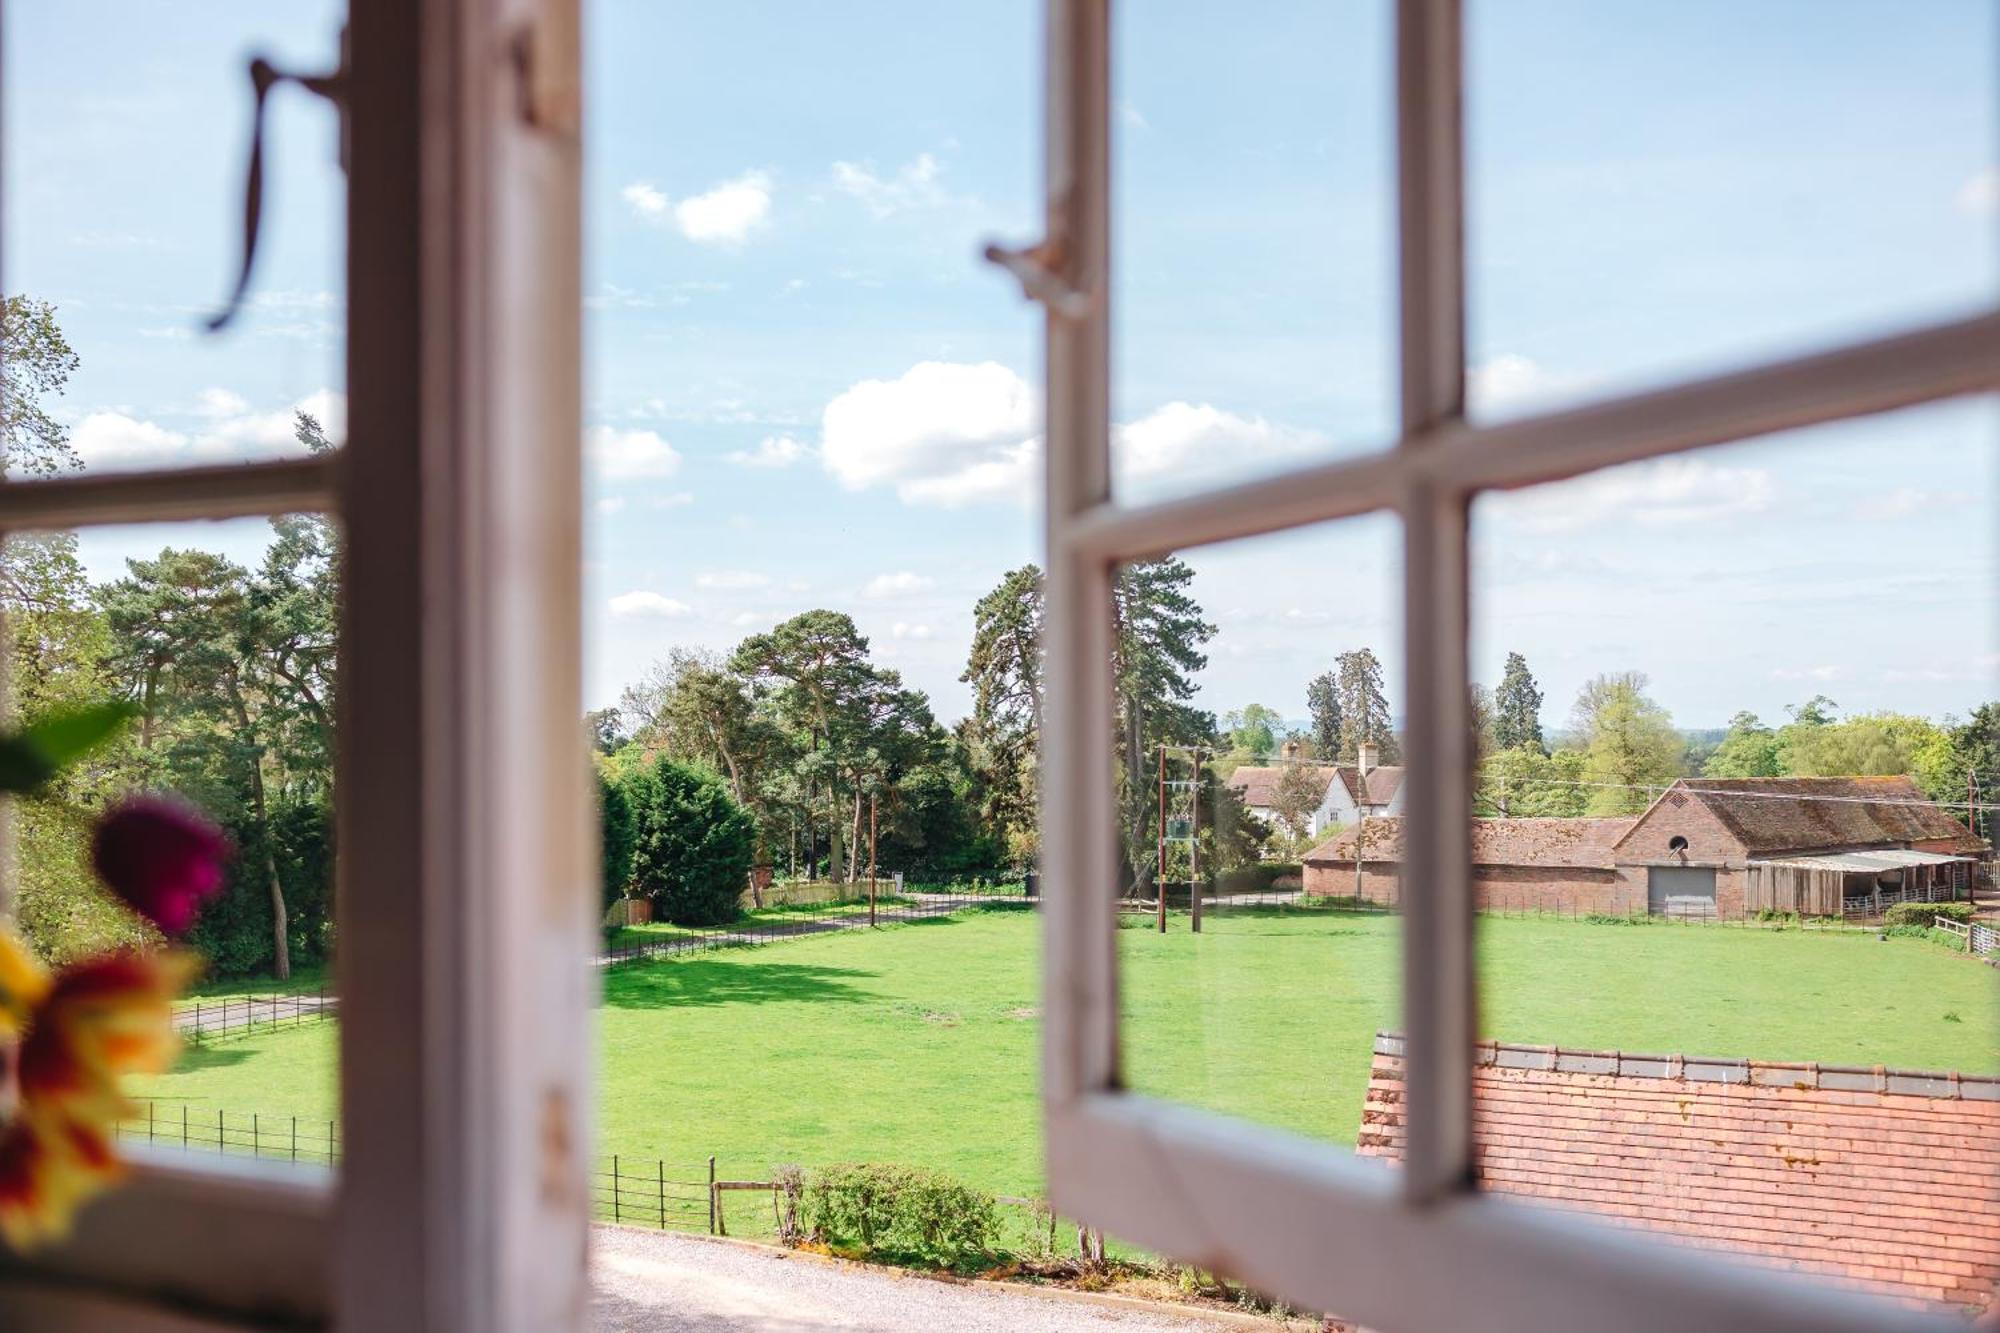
<point>651,1282</point>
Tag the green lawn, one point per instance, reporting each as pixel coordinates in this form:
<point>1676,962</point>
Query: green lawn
<point>917,1043</point>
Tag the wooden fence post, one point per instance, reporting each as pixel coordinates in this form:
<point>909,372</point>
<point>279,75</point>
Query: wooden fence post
<point>714,1212</point>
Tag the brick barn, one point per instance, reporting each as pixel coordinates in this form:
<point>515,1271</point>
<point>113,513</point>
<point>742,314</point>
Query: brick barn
<point>1883,1180</point>
<point>1708,847</point>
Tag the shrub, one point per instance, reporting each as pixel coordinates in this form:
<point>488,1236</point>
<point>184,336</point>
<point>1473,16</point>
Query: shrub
<point>901,1211</point>
<point>1260,877</point>
<point>1922,914</point>
<point>614,824</point>
<point>691,843</point>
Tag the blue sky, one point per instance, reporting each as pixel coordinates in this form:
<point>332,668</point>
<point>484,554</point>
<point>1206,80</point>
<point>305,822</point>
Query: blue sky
<point>804,389</point>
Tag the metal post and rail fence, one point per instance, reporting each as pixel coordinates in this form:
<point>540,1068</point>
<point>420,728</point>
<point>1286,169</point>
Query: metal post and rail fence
<point>625,1189</point>
<point>890,900</point>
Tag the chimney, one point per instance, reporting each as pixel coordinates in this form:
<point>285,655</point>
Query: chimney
<point>1289,750</point>
<point>1366,755</point>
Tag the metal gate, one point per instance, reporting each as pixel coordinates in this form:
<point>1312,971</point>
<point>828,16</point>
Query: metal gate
<point>1683,891</point>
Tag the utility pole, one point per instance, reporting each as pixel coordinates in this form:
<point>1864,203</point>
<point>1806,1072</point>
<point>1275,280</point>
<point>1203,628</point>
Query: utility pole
<point>871,858</point>
<point>1160,881</point>
<point>1194,847</point>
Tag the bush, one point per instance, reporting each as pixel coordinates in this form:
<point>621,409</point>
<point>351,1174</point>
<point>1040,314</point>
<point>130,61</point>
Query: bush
<point>691,843</point>
<point>1259,877</point>
<point>614,824</point>
<point>1922,914</point>
<point>903,1212</point>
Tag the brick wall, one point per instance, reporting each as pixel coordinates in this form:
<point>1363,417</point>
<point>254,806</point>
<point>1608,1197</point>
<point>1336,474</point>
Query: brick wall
<point>1569,891</point>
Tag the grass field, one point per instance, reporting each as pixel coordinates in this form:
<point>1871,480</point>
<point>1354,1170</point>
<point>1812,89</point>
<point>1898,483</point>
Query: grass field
<point>917,1043</point>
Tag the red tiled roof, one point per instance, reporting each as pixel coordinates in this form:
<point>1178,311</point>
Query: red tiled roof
<point>1884,1180</point>
<point>1495,842</point>
<point>1257,784</point>
<point>1770,815</point>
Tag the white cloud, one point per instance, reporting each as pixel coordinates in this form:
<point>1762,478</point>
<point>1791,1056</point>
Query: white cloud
<point>1511,382</point>
<point>1818,673</point>
<point>115,440</point>
<point>646,201</point>
<point>1657,493</point>
<point>1131,117</point>
<point>900,630</point>
<point>629,455</point>
<point>913,185</point>
<point>649,605</point>
<point>941,433</point>
<point>610,504</point>
<point>952,434</point>
<point>1195,438</point>
<point>676,500</point>
<point>732,580</point>
<point>727,214</point>
<point>744,619</point>
<point>227,429</point>
<point>221,403</point>
<point>903,583</point>
<point>773,451</point>
<point>724,215</point>
<point>1980,195</point>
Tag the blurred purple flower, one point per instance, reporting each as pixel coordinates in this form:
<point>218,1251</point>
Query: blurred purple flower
<point>163,857</point>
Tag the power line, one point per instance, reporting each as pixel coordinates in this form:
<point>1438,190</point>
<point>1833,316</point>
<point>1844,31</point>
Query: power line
<point>1733,793</point>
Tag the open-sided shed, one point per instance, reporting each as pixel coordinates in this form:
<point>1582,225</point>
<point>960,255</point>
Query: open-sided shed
<point>1857,882</point>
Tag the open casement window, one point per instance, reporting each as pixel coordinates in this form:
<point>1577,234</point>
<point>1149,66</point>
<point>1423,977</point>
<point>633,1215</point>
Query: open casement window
<point>1419,1248</point>
<point>465,888</point>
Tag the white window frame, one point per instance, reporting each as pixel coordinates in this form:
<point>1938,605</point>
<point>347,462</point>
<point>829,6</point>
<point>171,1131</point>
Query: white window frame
<point>1418,1248</point>
<point>466,878</point>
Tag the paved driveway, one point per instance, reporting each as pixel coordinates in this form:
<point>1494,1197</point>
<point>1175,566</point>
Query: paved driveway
<point>649,1282</point>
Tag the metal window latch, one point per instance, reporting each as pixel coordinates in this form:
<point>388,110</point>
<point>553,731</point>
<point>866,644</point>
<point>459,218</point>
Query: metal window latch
<point>265,76</point>
<point>1038,268</point>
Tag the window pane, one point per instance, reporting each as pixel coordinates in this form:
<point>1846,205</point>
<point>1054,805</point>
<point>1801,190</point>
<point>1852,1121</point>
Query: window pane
<point>1253,223</point>
<point>1259,697</point>
<point>1660,194</point>
<point>222,637</point>
<point>126,138</point>
<point>795,539</point>
<point>1739,705</point>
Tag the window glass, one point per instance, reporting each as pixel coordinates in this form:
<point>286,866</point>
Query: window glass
<point>1253,282</point>
<point>1735,813</point>
<point>1258,738</point>
<point>221,637</point>
<point>127,132</point>
<point>1661,194</point>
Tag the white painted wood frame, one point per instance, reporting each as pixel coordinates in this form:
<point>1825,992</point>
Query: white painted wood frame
<point>1419,1248</point>
<point>466,875</point>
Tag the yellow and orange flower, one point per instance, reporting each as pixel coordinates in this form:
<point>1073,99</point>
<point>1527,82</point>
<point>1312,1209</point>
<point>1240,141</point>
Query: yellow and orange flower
<point>81,1031</point>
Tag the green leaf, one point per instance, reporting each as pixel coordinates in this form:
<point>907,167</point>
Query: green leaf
<point>32,755</point>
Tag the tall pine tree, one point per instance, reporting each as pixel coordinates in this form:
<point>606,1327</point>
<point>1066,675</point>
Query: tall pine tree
<point>1517,708</point>
<point>1364,708</point>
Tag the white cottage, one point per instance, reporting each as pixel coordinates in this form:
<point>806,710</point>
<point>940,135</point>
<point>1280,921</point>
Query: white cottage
<point>1348,793</point>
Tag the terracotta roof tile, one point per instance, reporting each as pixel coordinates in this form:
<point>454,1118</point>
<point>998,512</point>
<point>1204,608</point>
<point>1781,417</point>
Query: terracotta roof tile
<point>1781,815</point>
<point>1895,1191</point>
<point>1257,784</point>
<point>1495,842</point>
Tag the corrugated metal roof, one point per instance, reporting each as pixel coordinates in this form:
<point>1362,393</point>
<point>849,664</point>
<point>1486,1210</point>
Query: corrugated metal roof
<point>1887,858</point>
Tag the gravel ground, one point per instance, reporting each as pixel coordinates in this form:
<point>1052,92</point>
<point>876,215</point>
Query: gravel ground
<point>650,1282</point>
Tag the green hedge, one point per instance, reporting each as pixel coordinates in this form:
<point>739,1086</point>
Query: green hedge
<point>903,1212</point>
<point>1922,914</point>
<point>1257,878</point>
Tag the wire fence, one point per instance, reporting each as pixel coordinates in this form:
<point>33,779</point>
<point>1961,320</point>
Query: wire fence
<point>246,1134</point>
<point>625,1189</point>
<point>788,921</point>
<point>203,1020</point>
<point>1539,904</point>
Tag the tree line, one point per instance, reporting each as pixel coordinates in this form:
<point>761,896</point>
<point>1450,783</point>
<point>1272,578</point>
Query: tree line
<point>231,671</point>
